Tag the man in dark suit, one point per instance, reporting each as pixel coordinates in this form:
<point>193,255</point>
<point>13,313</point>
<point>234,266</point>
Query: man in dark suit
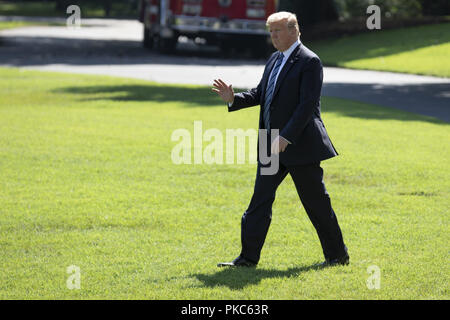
<point>289,96</point>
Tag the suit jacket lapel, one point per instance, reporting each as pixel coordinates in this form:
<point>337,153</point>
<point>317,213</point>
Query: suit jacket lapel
<point>287,66</point>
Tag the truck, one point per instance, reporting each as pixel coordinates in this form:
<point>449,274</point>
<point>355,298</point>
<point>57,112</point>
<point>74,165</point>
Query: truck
<point>229,24</point>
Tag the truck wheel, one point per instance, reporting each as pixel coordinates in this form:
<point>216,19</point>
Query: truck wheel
<point>148,39</point>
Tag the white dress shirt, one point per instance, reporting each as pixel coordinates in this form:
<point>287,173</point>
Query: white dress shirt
<point>286,55</point>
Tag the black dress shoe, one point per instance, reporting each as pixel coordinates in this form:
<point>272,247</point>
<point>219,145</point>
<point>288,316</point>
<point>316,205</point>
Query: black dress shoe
<point>345,260</point>
<point>238,262</point>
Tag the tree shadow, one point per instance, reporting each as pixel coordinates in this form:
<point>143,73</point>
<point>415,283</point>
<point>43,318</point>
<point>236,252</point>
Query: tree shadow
<point>387,103</point>
<point>391,101</point>
<point>237,278</point>
<point>192,95</point>
<point>21,51</point>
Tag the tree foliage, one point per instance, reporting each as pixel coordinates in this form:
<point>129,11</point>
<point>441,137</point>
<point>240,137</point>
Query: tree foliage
<point>312,12</point>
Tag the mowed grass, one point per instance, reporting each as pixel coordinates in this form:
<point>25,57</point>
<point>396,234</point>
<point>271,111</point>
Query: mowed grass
<point>13,24</point>
<point>419,50</point>
<point>86,179</point>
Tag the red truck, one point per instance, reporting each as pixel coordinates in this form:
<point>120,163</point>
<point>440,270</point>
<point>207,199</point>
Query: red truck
<point>226,23</point>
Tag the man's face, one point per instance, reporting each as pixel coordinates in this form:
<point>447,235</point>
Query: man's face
<point>282,36</point>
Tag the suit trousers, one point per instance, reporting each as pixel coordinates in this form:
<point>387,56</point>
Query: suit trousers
<point>308,180</point>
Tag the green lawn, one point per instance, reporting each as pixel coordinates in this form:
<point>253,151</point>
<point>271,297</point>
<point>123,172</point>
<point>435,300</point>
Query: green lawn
<point>419,50</point>
<point>17,24</point>
<point>13,24</point>
<point>86,179</point>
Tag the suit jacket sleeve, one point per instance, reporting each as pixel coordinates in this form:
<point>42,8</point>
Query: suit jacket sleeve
<point>246,99</point>
<point>310,88</point>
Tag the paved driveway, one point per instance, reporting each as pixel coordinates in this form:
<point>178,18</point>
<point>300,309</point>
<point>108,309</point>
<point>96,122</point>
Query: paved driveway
<point>113,47</point>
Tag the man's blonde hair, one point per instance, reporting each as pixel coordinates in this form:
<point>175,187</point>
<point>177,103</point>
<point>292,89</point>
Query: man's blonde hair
<point>290,18</point>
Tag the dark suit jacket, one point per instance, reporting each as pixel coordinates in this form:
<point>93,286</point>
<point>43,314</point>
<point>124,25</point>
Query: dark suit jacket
<point>295,107</point>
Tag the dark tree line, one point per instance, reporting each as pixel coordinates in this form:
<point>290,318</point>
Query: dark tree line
<point>105,5</point>
<point>311,12</point>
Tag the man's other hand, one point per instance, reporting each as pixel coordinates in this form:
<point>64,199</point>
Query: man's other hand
<point>281,142</point>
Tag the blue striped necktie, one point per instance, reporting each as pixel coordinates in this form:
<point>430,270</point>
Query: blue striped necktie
<point>269,91</point>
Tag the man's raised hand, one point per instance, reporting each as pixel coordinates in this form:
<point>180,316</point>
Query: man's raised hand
<point>225,91</point>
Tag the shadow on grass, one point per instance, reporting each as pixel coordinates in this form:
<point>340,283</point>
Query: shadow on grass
<point>238,278</point>
<point>404,98</point>
<point>197,96</point>
<point>389,102</point>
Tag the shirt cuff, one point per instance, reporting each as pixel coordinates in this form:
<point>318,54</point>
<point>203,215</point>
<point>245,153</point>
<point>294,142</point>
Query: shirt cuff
<point>286,139</point>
